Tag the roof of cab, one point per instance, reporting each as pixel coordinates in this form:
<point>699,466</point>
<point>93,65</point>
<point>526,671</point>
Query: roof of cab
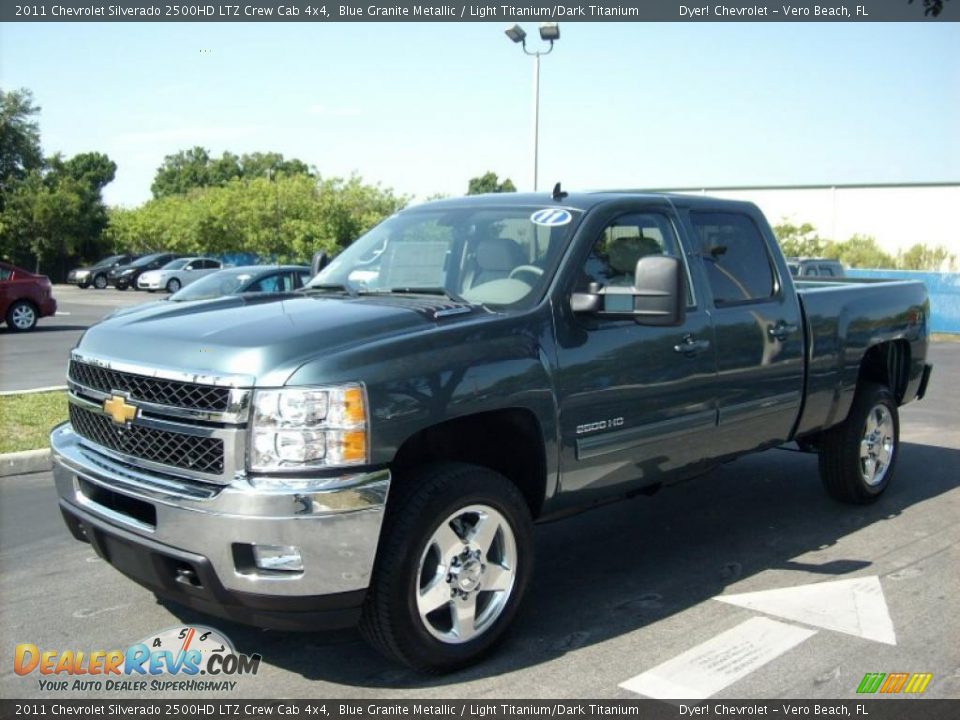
<point>583,201</point>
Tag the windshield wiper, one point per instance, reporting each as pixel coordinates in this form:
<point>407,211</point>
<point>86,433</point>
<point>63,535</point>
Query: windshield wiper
<point>335,287</point>
<point>425,290</point>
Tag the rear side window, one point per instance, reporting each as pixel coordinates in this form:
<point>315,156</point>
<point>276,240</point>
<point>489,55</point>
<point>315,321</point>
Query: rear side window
<point>735,257</point>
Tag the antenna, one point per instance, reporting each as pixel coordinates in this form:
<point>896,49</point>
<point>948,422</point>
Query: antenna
<point>559,194</point>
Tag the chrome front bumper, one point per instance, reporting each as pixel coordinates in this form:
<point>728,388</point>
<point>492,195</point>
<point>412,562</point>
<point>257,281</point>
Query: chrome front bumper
<point>336,530</point>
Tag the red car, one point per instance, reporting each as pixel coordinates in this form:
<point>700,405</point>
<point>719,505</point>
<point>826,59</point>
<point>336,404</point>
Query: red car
<point>24,297</point>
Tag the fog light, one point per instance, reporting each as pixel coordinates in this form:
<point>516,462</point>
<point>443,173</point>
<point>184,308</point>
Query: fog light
<point>281,558</point>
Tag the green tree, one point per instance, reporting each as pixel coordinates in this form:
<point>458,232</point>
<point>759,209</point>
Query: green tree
<point>489,182</point>
<point>287,217</point>
<point>182,172</point>
<point>57,213</point>
<point>191,169</point>
<point>921,257</point>
<point>799,240</point>
<point>19,139</point>
<point>271,164</point>
<point>860,251</point>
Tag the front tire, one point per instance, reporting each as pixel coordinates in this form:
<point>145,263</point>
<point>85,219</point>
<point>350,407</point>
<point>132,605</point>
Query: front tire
<point>455,555</point>
<point>173,285</point>
<point>22,316</point>
<point>857,457</point>
<point>121,286</point>
<point>100,281</point>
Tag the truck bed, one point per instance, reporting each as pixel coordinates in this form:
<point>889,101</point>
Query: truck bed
<point>843,319</point>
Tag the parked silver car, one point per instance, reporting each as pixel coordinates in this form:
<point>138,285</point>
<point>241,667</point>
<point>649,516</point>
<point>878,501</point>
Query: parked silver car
<point>177,274</point>
<point>247,279</point>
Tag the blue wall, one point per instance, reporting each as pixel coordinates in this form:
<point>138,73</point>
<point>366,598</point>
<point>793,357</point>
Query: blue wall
<point>944,289</point>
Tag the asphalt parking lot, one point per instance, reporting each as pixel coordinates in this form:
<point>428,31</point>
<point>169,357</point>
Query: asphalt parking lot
<point>39,358</point>
<point>703,585</point>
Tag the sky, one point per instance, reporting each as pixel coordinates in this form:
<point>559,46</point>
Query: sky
<point>421,108</point>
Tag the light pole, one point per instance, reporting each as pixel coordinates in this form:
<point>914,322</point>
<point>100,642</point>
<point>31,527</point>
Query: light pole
<point>549,32</point>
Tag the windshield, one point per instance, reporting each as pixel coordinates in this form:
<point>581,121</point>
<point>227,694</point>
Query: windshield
<point>146,260</point>
<point>224,282</point>
<point>107,262</point>
<point>794,269</point>
<point>176,264</point>
<point>501,256</point>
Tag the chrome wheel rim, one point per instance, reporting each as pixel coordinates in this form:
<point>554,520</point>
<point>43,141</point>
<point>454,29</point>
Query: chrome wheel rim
<point>466,574</point>
<point>100,282</point>
<point>23,317</point>
<point>173,285</point>
<point>877,445</point>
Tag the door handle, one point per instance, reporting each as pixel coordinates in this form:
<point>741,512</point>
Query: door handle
<point>782,330</point>
<point>690,346</point>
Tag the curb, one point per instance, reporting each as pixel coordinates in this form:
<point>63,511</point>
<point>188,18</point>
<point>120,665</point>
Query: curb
<point>31,391</point>
<point>28,461</point>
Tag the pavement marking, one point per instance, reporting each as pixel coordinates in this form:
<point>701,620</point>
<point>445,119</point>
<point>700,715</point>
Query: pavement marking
<point>711,666</point>
<point>855,607</point>
<point>61,313</point>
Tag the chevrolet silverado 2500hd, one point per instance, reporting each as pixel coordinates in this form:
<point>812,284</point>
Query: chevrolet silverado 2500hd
<point>376,447</point>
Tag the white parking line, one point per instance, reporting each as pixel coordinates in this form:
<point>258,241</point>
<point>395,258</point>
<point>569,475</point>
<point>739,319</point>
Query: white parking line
<point>709,667</point>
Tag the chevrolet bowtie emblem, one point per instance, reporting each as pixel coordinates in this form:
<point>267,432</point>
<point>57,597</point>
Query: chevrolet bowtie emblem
<point>118,409</point>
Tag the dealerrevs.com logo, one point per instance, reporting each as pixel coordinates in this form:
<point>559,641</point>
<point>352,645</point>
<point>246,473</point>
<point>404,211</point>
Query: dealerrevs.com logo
<point>172,660</point>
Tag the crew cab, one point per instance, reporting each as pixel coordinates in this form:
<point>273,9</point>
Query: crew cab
<point>377,446</point>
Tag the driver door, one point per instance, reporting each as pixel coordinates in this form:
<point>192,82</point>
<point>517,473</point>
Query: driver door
<point>633,398</point>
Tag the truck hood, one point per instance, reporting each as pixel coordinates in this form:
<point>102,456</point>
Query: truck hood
<point>264,338</point>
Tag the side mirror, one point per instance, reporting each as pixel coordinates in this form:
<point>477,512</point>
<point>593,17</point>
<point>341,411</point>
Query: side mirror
<point>318,263</point>
<point>658,296</point>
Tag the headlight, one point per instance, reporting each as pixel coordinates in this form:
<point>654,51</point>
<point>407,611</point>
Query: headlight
<point>130,271</point>
<point>81,273</point>
<point>299,428</point>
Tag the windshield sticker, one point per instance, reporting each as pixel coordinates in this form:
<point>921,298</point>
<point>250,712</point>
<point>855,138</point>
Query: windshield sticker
<point>551,217</point>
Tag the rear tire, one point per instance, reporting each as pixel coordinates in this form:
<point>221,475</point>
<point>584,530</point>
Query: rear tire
<point>857,457</point>
<point>455,555</point>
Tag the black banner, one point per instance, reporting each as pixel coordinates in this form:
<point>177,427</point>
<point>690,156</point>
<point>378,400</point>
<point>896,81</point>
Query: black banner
<point>887,709</point>
<point>511,11</point>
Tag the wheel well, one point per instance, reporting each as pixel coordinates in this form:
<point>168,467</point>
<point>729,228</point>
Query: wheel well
<point>25,301</point>
<point>508,441</point>
<point>889,364</point>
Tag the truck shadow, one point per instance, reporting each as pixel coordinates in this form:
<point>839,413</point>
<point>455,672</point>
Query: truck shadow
<point>614,570</point>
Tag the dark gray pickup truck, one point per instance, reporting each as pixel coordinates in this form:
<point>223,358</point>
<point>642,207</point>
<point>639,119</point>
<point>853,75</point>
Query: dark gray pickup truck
<point>376,447</point>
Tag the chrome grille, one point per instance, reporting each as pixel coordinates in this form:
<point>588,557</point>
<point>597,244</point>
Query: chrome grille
<point>190,452</point>
<point>151,389</point>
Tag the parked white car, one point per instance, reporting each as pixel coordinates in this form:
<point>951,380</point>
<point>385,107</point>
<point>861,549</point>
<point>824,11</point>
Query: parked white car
<point>177,274</point>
